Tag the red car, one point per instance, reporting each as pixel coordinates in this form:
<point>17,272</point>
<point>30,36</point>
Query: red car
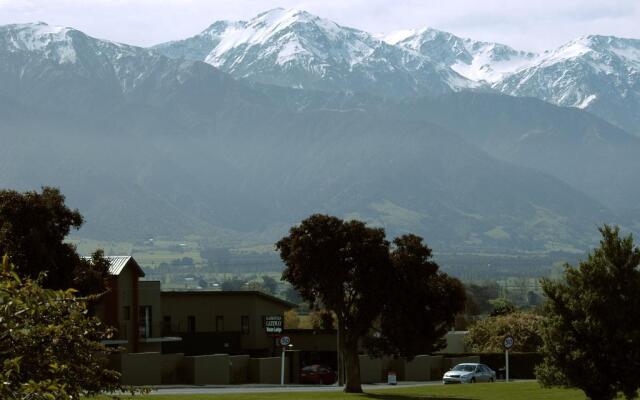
<point>317,374</point>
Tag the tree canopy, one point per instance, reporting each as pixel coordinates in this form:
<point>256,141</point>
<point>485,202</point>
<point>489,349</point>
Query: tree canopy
<point>487,335</point>
<point>33,227</point>
<point>49,347</point>
<point>421,305</point>
<point>350,270</point>
<point>591,333</point>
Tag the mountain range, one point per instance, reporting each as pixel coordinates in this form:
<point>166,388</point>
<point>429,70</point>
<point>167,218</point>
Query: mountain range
<point>244,129</point>
<point>293,48</point>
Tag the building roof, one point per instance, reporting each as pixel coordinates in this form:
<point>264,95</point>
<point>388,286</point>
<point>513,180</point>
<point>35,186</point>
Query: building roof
<point>263,295</point>
<point>118,263</point>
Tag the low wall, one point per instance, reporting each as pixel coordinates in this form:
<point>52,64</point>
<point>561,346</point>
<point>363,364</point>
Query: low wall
<point>419,369</point>
<point>206,370</point>
<point>437,367</point>
<point>238,369</point>
<point>171,368</point>
<point>521,365</point>
<point>267,370</point>
<point>141,369</point>
<point>370,369</point>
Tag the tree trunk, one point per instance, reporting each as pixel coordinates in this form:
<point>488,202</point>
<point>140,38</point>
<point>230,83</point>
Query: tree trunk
<point>352,364</point>
<point>349,350</point>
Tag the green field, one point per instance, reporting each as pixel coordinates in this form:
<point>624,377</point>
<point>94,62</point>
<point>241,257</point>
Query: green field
<point>496,391</point>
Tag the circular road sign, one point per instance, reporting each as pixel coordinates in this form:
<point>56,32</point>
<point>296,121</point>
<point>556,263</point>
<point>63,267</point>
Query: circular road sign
<point>285,340</point>
<point>508,342</point>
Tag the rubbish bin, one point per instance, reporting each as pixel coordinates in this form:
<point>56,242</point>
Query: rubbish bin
<point>392,378</point>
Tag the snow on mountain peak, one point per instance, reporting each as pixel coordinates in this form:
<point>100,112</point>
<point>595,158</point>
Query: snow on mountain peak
<point>395,37</point>
<point>475,60</point>
<point>284,35</point>
<point>54,41</point>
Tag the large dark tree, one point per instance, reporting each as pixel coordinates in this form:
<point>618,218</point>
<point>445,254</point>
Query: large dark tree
<point>345,266</point>
<point>349,269</point>
<point>33,227</point>
<point>421,305</point>
<point>591,332</point>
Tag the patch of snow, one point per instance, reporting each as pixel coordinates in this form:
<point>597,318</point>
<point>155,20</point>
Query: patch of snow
<point>571,50</point>
<point>53,41</point>
<point>629,54</point>
<point>397,36</point>
<point>484,68</point>
<point>289,52</point>
<point>586,101</point>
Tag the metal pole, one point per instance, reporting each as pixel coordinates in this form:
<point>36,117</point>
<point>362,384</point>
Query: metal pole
<point>506,354</point>
<point>282,369</point>
<point>339,360</point>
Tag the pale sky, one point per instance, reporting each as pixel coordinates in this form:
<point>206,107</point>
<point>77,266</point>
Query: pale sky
<point>528,25</point>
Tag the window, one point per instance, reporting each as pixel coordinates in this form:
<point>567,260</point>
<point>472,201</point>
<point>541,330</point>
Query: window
<point>219,323</point>
<point>166,325</point>
<point>126,313</point>
<point>244,324</point>
<point>144,321</point>
<point>191,324</point>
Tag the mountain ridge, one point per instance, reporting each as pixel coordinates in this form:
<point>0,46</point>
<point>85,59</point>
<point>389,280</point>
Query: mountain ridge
<point>429,62</point>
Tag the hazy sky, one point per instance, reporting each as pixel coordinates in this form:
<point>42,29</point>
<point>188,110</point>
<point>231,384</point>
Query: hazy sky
<point>529,25</point>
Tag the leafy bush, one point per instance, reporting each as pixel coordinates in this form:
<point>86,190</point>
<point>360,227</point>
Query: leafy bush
<point>49,347</point>
<point>487,335</point>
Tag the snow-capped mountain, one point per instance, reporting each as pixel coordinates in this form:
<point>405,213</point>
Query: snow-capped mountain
<point>63,68</point>
<point>600,74</point>
<point>44,44</point>
<point>146,144</point>
<point>297,49</point>
<point>477,61</point>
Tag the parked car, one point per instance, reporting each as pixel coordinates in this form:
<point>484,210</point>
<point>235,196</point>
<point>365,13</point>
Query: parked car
<point>469,373</point>
<point>317,374</point>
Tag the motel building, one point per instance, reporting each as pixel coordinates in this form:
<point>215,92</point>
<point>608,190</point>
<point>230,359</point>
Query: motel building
<point>218,337</point>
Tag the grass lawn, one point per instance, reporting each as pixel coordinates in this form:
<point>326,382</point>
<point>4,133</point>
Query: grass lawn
<point>495,391</point>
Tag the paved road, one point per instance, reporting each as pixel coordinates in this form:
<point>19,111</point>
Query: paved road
<point>227,389</point>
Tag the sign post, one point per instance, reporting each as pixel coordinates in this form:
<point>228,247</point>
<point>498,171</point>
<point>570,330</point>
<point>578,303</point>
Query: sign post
<point>508,343</point>
<point>284,342</point>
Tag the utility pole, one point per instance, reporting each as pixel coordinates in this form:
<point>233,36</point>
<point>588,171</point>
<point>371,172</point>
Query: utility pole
<point>338,352</point>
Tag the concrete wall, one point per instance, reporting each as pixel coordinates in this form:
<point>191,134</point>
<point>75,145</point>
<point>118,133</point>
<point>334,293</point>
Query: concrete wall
<point>149,295</point>
<point>172,368</point>
<point>206,370</point>
<point>419,369</point>
<point>238,369</point>
<point>141,369</point>
<point>370,369</point>
<point>455,343</point>
<point>437,367</point>
<point>126,327</point>
<point>267,370</point>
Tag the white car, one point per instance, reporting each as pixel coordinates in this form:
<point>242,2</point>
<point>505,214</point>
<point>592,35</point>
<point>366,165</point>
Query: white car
<point>469,373</point>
